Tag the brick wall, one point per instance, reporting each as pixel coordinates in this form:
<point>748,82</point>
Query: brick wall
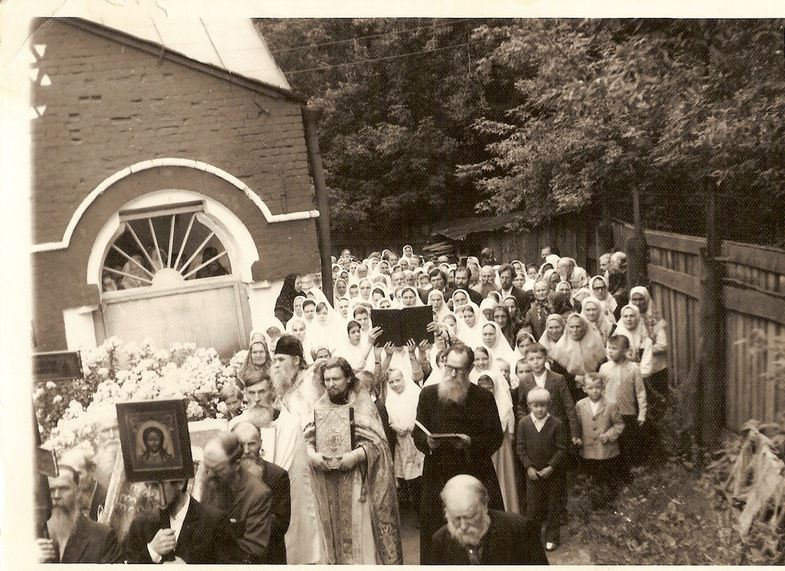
<point>110,106</point>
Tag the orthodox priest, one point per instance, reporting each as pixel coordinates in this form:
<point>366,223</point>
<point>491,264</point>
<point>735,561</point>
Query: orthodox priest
<point>464,431</point>
<point>355,489</point>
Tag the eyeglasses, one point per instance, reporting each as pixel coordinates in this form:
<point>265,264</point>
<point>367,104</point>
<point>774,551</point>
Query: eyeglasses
<point>450,370</point>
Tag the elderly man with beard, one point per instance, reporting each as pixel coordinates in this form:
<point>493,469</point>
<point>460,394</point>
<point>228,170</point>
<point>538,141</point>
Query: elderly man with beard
<point>276,479</point>
<point>355,493</point>
<point>182,531</point>
<point>73,538</point>
<point>107,447</point>
<point>305,543</point>
<point>486,283</point>
<point>476,535</point>
<point>244,499</point>
<point>259,398</point>
<point>455,406</point>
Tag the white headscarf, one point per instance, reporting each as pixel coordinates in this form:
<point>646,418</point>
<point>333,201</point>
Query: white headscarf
<point>417,301</point>
<point>602,325</point>
<point>438,315</point>
<point>501,395</point>
<point>637,336</point>
<point>579,356</point>
<point>609,304</point>
<point>545,341</point>
<point>402,408</point>
<point>471,336</point>
<point>500,349</point>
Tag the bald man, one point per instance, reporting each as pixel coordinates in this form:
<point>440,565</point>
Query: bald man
<point>244,499</point>
<point>476,535</point>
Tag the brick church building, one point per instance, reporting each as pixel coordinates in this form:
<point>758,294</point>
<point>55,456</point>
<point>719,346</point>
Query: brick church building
<point>171,183</point>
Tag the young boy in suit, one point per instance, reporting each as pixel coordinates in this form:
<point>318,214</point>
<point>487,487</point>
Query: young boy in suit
<point>542,448</point>
<point>561,404</point>
<point>600,427</point>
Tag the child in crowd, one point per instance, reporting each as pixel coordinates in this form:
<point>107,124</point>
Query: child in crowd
<point>542,448</point>
<point>624,387</point>
<point>600,427</point>
<point>561,404</point>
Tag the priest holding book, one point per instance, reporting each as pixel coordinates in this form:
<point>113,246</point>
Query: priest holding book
<point>354,479</point>
<point>458,429</point>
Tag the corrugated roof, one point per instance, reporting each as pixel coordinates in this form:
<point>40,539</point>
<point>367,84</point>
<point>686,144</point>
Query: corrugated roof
<point>233,44</point>
<point>459,228</point>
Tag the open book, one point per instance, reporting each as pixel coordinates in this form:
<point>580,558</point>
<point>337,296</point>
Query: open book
<point>400,325</point>
<point>438,435</point>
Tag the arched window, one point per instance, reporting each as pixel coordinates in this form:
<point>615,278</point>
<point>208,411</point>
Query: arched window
<point>163,247</point>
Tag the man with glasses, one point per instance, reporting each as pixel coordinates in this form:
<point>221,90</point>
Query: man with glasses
<point>476,535</point>
<point>463,433</point>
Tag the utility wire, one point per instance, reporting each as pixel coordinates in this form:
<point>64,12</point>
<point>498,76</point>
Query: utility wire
<point>358,62</point>
<point>381,34</point>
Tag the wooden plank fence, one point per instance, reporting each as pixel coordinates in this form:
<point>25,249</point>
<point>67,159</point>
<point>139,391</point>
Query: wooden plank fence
<point>754,302</point>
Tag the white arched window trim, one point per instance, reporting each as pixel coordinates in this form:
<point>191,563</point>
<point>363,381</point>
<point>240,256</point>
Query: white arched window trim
<point>168,162</point>
<point>228,228</point>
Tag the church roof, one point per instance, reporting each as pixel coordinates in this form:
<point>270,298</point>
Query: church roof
<point>232,43</point>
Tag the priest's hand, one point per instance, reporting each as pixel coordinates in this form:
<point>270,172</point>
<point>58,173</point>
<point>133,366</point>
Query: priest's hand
<point>350,460</point>
<point>433,444</point>
<point>532,473</point>
<point>318,461</point>
<point>46,551</point>
<point>163,542</point>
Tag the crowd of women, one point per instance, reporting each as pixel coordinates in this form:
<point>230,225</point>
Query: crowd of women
<point>498,311</point>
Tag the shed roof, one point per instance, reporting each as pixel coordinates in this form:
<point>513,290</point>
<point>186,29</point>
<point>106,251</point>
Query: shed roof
<point>232,44</point>
<point>459,228</point>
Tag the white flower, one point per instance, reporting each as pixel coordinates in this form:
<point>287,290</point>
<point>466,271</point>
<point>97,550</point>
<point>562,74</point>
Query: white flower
<point>57,398</point>
<point>50,385</point>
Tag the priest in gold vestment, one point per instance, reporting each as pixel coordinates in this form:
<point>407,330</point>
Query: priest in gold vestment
<point>355,490</point>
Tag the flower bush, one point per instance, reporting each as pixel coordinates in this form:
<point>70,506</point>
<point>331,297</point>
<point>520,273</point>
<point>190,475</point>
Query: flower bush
<point>69,411</point>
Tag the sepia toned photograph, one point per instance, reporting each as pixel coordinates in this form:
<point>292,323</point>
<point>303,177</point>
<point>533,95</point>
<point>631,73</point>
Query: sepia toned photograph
<point>151,438</point>
<point>380,286</point>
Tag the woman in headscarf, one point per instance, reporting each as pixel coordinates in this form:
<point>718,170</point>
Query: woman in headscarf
<point>501,315</point>
<point>273,329</point>
<point>378,293</point>
<point>552,278</point>
<point>343,305</point>
<point>566,289</point>
<point>654,363</point>
<point>494,295</point>
<point>579,351</point>
<point>297,307</point>
<point>460,297</point>
<point>341,288</point>
<point>285,302</point>
<point>326,329</point>
<point>470,326</point>
<point>597,320</point>
<point>409,297</point>
<point>298,327</point>
<point>631,326</point>
<point>365,290</point>
<point>554,329</point>
<point>503,459</point>
<point>486,308</point>
<point>257,358</point>
<point>403,394</point>
<point>356,347</point>
<point>436,301</point>
<point>598,286</point>
<point>493,340</point>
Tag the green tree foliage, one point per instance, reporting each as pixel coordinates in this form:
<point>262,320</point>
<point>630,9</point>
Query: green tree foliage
<point>428,119</point>
<point>398,98</point>
<point>661,105</point>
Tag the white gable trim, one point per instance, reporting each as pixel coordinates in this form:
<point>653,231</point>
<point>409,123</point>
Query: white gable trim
<point>168,162</point>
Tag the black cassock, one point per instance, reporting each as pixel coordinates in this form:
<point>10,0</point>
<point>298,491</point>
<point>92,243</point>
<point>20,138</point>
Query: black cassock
<point>478,418</point>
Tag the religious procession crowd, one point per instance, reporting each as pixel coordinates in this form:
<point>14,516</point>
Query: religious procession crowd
<point>536,373</point>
